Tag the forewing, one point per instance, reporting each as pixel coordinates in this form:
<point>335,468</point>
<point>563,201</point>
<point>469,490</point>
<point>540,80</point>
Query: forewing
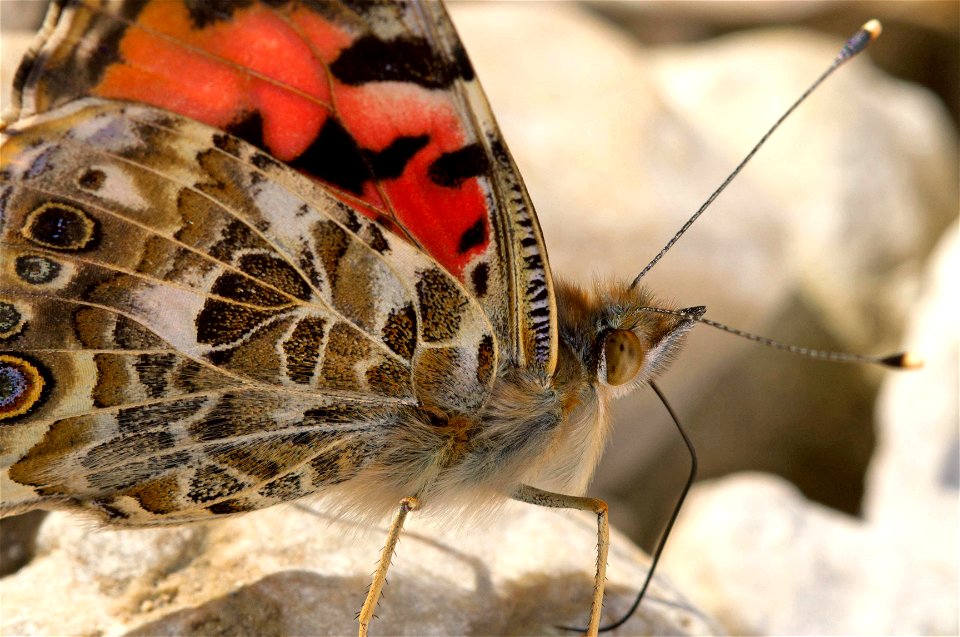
<point>377,101</point>
<point>169,294</point>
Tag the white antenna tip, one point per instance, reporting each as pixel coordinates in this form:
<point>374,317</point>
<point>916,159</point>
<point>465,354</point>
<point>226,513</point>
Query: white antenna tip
<point>912,361</point>
<point>874,28</point>
<point>903,360</point>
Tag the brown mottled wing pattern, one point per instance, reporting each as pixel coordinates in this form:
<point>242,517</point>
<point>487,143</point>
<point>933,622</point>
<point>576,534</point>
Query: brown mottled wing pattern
<point>390,53</point>
<point>191,328</point>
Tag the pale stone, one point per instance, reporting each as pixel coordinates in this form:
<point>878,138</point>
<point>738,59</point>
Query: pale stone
<point>13,44</point>
<point>668,20</point>
<point>917,451</point>
<point>294,570</point>
<point>764,560</point>
<point>913,495</point>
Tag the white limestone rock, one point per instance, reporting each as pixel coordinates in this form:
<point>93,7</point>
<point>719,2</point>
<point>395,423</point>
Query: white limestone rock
<point>913,495</point>
<point>764,560</point>
<point>918,412</point>
<point>289,570</point>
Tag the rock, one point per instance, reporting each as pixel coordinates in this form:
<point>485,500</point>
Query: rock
<point>913,497</point>
<point>674,17</point>
<point>18,534</point>
<point>293,570</point>
<point>920,40</point>
<point>764,560</point>
<point>23,15</point>
<point>13,45</point>
<point>917,450</point>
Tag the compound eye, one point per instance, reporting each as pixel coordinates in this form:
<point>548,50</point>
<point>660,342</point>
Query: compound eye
<point>623,354</point>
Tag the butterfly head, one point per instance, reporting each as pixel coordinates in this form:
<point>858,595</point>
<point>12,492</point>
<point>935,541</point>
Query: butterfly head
<point>617,341</point>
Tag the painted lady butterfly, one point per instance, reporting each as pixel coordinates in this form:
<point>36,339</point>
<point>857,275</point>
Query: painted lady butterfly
<point>257,250</point>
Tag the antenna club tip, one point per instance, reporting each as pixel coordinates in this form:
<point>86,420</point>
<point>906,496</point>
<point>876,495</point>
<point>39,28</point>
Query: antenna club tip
<point>903,360</point>
<point>873,28</point>
<point>859,41</point>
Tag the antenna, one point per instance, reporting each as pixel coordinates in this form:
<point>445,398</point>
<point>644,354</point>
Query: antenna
<point>899,360</point>
<point>867,34</point>
<point>662,541</point>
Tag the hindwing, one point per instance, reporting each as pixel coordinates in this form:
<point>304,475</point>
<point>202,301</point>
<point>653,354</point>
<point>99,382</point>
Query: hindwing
<point>170,296</point>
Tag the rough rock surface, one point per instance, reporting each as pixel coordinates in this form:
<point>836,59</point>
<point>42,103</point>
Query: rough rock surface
<point>292,571</point>
<point>764,560</point>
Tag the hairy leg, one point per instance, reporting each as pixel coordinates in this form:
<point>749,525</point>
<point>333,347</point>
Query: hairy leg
<point>380,576</point>
<point>533,495</point>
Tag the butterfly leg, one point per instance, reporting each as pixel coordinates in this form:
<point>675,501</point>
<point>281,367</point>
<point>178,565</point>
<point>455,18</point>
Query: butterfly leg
<point>380,576</point>
<point>533,495</point>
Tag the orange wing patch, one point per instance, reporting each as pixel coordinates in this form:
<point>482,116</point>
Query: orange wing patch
<point>301,86</point>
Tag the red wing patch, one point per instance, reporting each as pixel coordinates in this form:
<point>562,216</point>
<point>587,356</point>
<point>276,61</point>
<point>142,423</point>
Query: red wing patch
<point>376,100</point>
<point>311,84</point>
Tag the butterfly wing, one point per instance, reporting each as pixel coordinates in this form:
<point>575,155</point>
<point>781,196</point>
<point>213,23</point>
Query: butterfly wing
<point>187,320</point>
<point>376,101</point>
<point>193,326</point>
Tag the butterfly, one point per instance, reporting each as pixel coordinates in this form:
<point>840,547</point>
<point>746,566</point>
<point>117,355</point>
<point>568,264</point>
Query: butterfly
<point>254,251</point>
